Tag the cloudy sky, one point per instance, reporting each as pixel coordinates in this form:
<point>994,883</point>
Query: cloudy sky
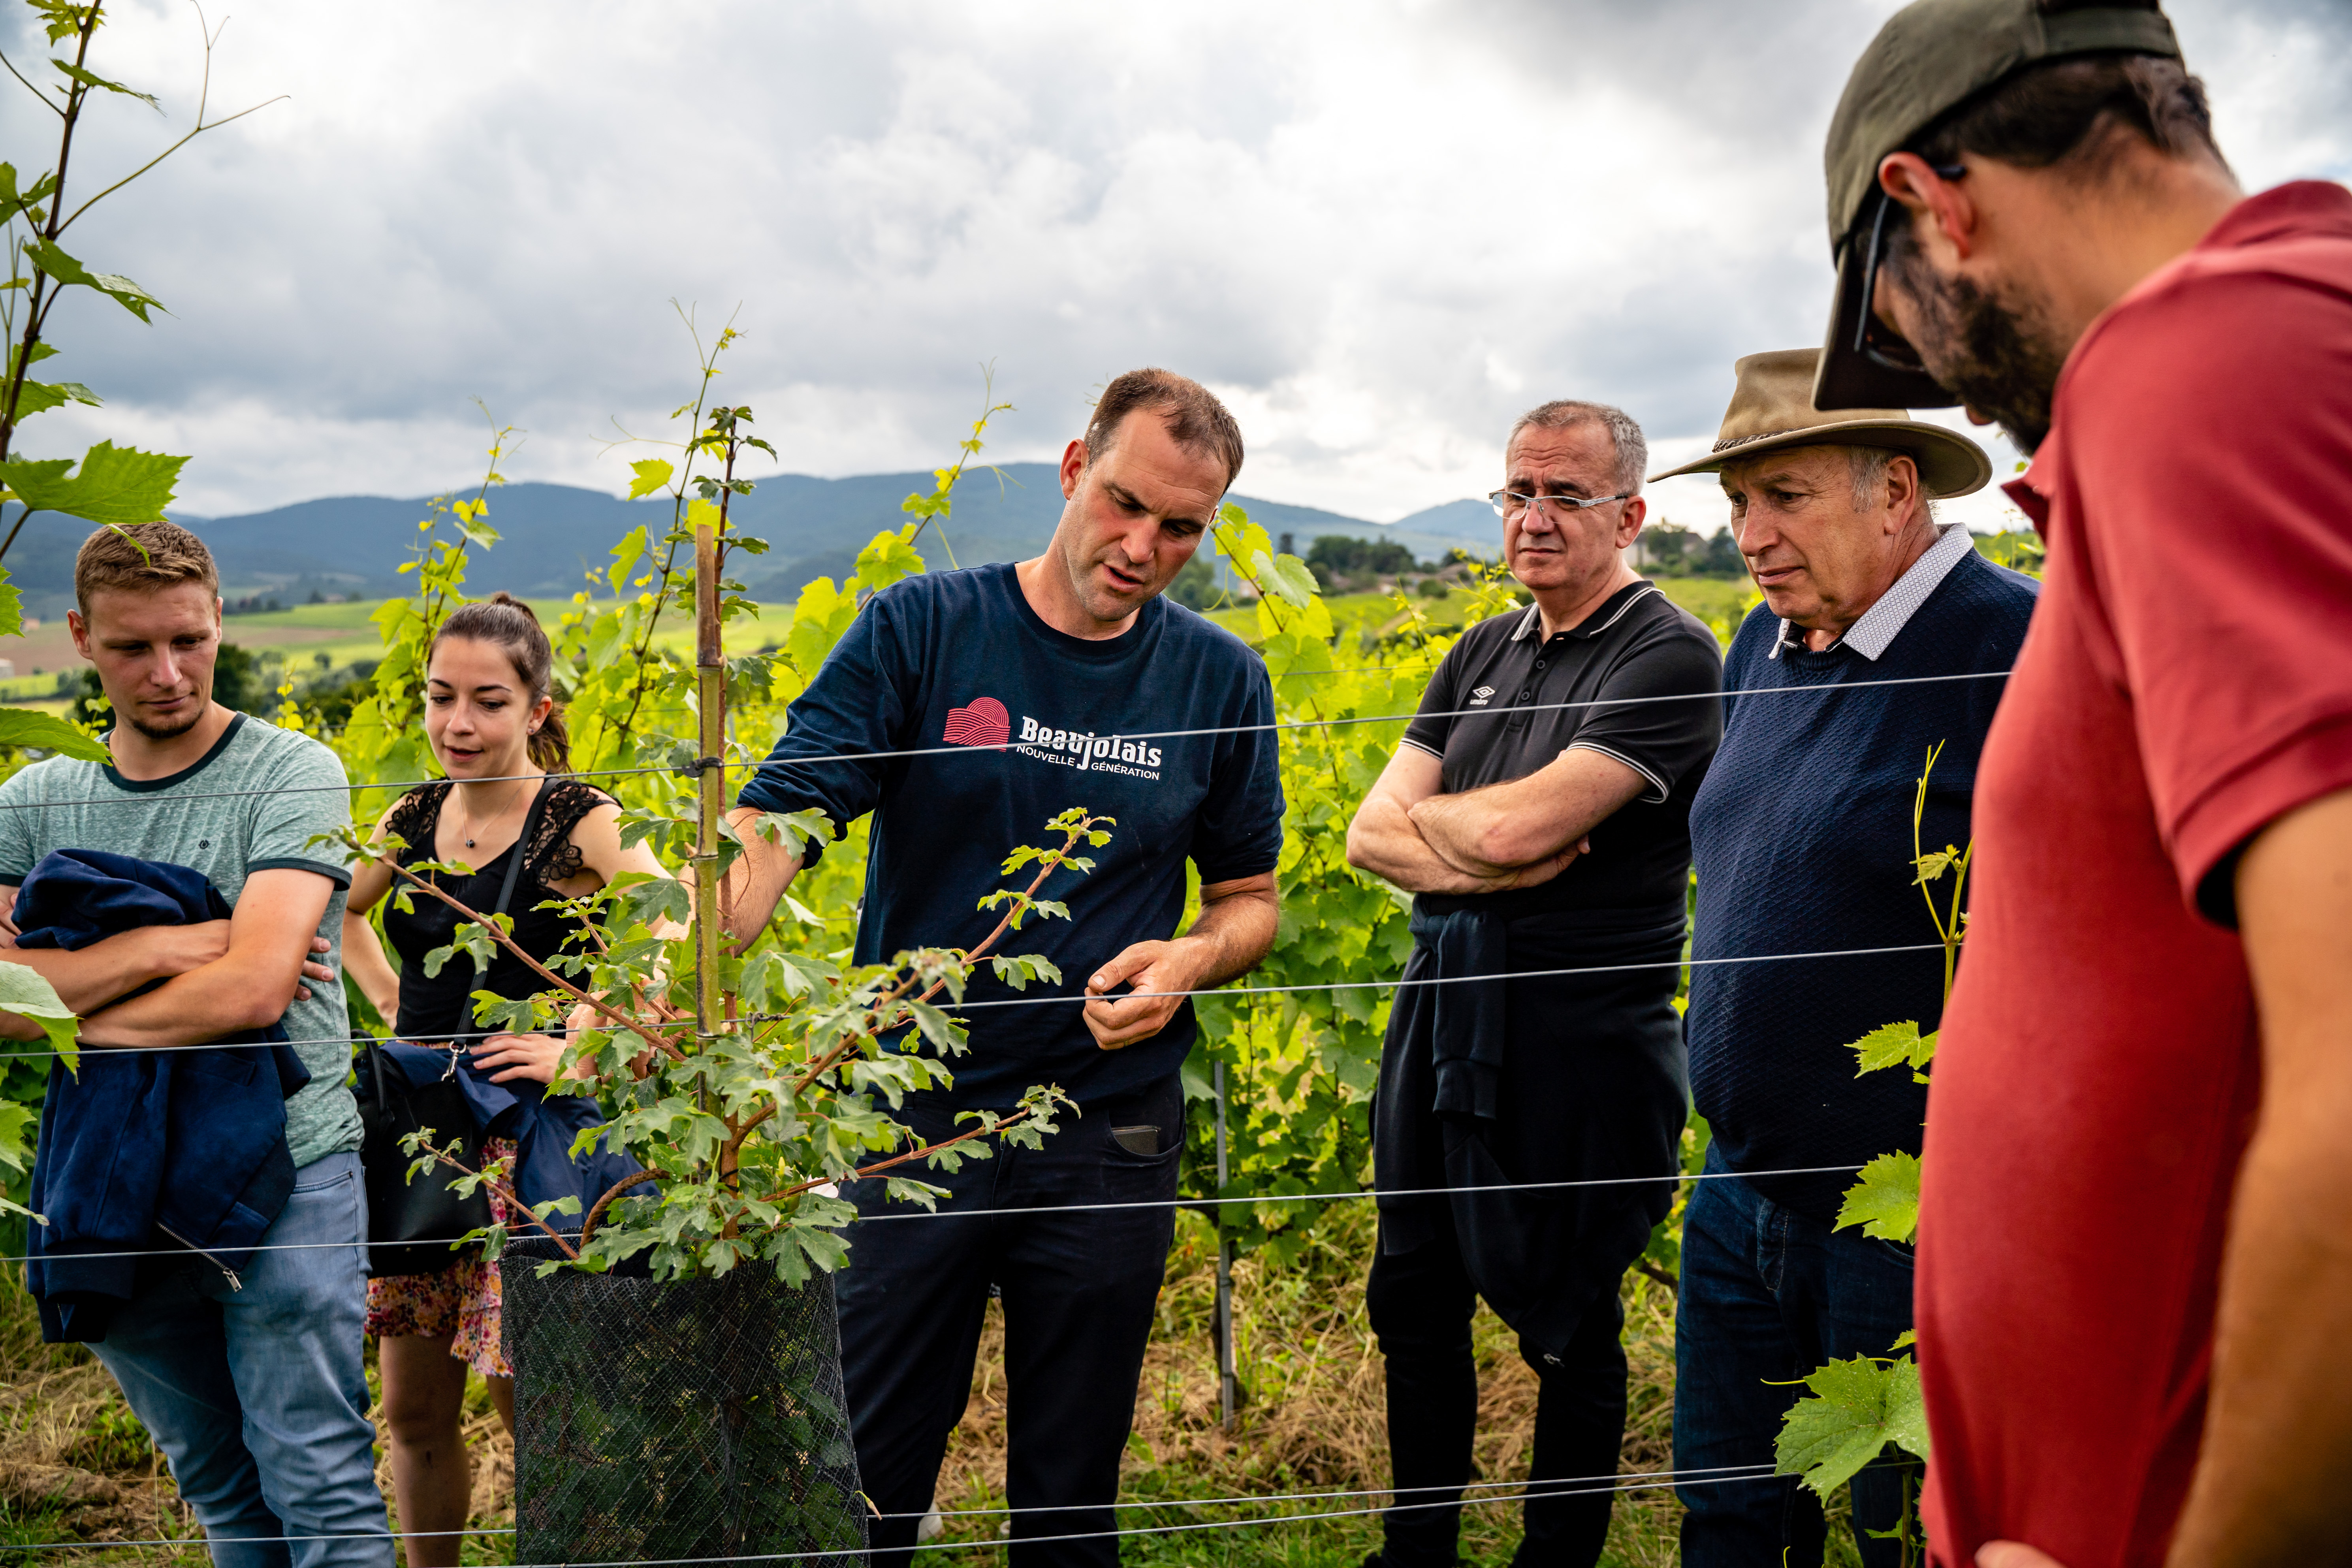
<point>1379,230</point>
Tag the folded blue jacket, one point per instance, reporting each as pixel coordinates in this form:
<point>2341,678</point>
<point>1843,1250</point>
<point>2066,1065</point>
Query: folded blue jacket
<point>542,1126</point>
<point>145,1148</point>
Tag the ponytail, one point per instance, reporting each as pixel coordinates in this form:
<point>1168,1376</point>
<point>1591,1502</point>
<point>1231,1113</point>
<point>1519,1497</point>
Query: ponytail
<point>511,623</point>
<point>551,744</point>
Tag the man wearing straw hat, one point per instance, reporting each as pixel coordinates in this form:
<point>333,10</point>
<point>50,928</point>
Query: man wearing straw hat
<point>1801,837</point>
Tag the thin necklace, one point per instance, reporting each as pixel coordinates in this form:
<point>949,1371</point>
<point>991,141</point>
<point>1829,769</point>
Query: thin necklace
<point>468,830</point>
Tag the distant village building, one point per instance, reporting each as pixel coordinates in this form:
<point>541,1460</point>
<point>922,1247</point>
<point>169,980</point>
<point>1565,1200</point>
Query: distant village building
<point>7,669</point>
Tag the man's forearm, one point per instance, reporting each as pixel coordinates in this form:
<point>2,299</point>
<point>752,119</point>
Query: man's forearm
<point>2278,1435</point>
<point>1490,833</point>
<point>1385,841</point>
<point>1234,932</point>
<point>756,883</point>
<point>225,997</point>
<point>90,977</point>
<point>2278,1426</point>
<point>1461,831</point>
<point>1500,829</point>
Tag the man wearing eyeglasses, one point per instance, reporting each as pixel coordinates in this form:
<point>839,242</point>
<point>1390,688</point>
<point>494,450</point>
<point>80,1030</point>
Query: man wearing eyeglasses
<point>1540,811</point>
<point>2135,1293</point>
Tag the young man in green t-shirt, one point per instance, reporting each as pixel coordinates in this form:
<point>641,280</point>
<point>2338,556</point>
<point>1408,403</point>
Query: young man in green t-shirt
<point>251,1384</point>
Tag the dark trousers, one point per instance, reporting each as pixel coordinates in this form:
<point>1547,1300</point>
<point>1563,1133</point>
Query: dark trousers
<point>1766,1296</point>
<point>1421,1303</point>
<point>1078,1289</point>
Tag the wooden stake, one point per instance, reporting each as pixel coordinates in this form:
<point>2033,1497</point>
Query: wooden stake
<point>710,700</point>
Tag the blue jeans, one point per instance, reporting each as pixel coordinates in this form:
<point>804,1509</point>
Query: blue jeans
<point>258,1396</point>
<point>1768,1295</point>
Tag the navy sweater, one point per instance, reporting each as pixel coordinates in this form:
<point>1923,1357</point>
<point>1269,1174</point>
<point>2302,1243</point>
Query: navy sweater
<point>145,1148</point>
<point>1800,838</point>
<point>1001,722</point>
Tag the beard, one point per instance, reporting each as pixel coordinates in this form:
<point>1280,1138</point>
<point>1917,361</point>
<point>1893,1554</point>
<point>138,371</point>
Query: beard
<point>1997,354</point>
<point>172,732</point>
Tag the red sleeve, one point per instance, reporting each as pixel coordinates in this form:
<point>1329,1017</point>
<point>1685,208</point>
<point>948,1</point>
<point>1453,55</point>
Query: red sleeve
<point>2210,425</point>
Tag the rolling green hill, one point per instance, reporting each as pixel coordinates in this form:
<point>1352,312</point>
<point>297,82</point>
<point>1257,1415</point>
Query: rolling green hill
<point>552,534</point>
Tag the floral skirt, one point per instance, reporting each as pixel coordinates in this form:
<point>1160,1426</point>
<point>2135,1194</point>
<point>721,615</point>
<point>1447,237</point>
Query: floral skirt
<point>460,1302</point>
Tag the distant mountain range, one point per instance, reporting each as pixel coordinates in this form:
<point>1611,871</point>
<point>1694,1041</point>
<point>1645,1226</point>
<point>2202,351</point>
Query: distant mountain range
<point>550,535</point>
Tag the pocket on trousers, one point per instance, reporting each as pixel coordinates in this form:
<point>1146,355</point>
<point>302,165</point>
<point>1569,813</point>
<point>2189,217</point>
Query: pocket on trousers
<point>1143,1142</point>
<point>327,1183</point>
<point>1127,1174</point>
<point>1896,1253</point>
<point>334,1203</point>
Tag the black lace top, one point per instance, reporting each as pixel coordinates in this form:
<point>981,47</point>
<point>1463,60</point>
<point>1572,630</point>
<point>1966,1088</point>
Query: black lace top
<point>437,1008</point>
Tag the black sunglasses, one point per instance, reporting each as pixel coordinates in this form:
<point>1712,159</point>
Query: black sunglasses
<point>1872,339</point>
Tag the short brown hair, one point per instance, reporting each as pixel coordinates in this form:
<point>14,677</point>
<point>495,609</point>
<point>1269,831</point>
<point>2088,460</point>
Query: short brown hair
<point>144,558</point>
<point>1196,420</point>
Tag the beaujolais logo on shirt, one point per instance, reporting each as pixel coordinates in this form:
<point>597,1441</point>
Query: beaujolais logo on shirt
<point>983,721</point>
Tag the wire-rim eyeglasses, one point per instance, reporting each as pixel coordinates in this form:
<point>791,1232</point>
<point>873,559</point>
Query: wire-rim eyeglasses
<point>1510,503</point>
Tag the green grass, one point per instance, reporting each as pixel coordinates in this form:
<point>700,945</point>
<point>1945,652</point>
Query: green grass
<point>1720,602</point>
<point>1314,1421</point>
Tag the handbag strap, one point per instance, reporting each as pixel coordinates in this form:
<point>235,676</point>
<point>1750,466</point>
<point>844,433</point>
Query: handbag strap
<point>520,852</point>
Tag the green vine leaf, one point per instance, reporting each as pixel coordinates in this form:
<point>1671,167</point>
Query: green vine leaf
<point>1287,578</point>
<point>63,17</point>
<point>17,1121</point>
<point>1885,1199</point>
<point>1857,1408</point>
<point>889,557</point>
<point>1892,1046</point>
<point>91,79</point>
<point>24,992</point>
<point>25,727</point>
<point>119,487</point>
<point>1933,865</point>
<point>39,397</point>
<point>938,1028</point>
<point>46,255</point>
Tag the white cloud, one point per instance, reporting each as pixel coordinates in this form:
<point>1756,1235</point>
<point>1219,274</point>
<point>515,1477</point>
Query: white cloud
<point>1381,231</point>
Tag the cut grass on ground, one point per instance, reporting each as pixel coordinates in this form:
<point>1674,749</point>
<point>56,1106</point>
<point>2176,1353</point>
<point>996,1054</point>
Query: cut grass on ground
<point>73,1465</point>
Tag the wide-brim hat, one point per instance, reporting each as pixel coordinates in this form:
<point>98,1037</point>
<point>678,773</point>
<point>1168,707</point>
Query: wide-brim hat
<point>1773,408</point>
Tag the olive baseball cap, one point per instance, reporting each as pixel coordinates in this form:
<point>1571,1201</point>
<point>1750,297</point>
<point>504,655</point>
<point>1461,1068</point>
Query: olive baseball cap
<point>1929,57</point>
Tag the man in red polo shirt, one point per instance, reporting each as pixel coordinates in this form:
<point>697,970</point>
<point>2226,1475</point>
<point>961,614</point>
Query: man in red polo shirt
<point>2134,1290</point>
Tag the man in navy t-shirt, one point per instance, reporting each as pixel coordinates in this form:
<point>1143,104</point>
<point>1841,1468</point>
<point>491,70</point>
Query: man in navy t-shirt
<point>1011,693</point>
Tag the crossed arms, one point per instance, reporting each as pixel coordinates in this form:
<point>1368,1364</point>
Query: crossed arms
<point>220,977</point>
<point>1511,834</point>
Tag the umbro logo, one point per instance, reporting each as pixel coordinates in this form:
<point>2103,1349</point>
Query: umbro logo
<point>1478,699</point>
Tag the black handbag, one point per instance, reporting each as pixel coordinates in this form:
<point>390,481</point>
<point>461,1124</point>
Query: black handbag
<point>412,1223</point>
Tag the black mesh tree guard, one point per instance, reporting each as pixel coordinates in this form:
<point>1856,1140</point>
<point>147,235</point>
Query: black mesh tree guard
<point>703,1418</point>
